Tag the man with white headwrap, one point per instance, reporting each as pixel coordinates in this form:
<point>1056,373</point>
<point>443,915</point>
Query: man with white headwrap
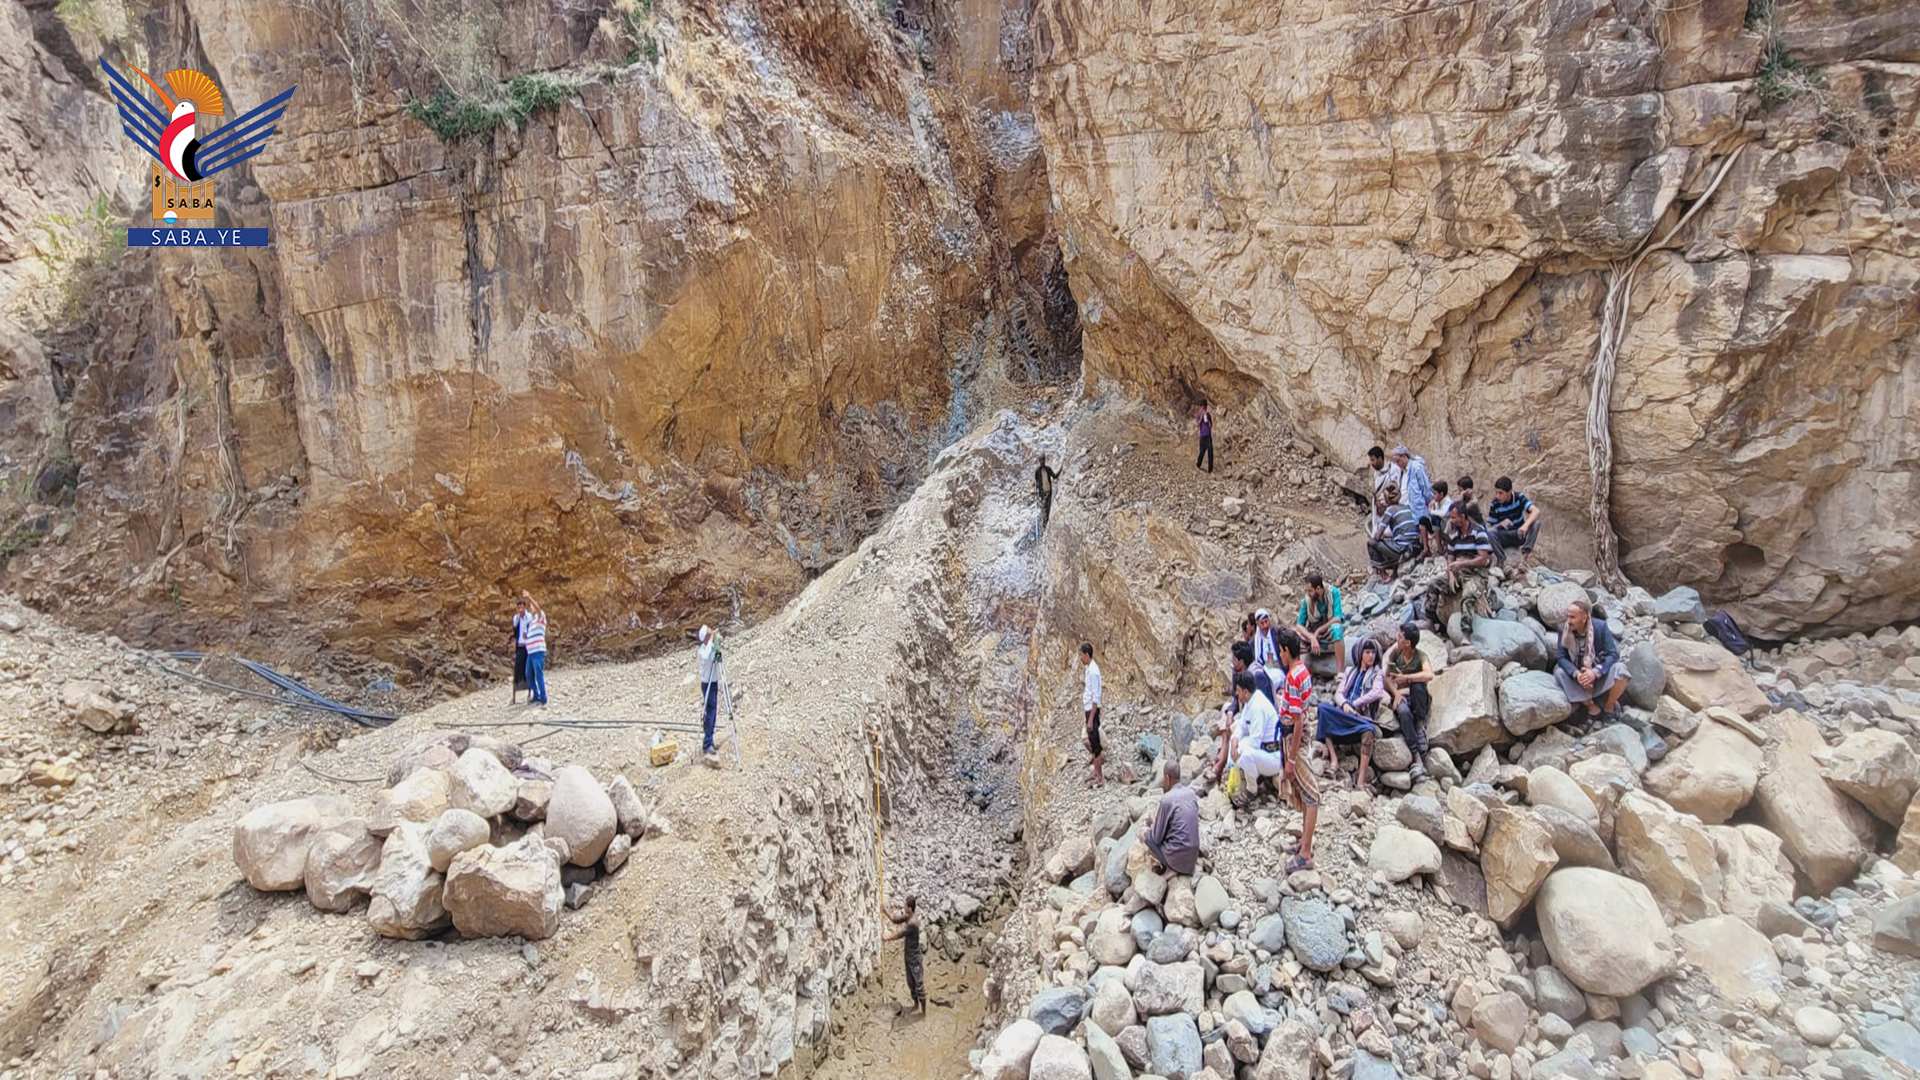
<point>709,658</point>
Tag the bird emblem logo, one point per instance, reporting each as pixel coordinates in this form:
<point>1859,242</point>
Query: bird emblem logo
<point>188,149</point>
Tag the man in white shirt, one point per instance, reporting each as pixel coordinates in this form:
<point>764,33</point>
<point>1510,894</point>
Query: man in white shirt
<point>709,663</point>
<point>1256,735</point>
<point>1266,648</point>
<point>1090,704</point>
<point>1384,473</point>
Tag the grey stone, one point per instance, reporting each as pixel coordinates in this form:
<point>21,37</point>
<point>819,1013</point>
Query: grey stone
<point>1861,1065</point>
<point>1103,1053</point>
<point>1171,946</point>
<point>1571,1064</point>
<point>1574,840</point>
<point>1555,993</point>
<point>1150,746</point>
<point>1622,740</point>
<point>1270,934</point>
<point>1160,989</point>
<point>1147,925</point>
<point>1605,1037</point>
<point>1646,676</point>
<point>1058,1009</point>
<point>1368,1067</point>
<point>1530,701</point>
<point>1315,932</point>
<point>1391,754</point>
<point>1113,874</point>
<point>1500,643</point>
<point>1464,882</point>
<point>1173,1047</point>
<point>1638,1040</point>
<point>1246,1008</point>
<point>1424,816</point>
<point>1680,604</point>
<point>1896,1040</point>
<point>1210,899</point>
<point>1552,602</point>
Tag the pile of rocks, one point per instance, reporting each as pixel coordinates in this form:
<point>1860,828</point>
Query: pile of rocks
<point>469,832</point>
<point>1697,890</point>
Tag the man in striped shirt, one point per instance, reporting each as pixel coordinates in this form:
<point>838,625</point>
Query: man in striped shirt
<point>1514,520</point>
<point>533,637</point>
<point>1465,586</point>
<point>1297,782</point>
<point>1396,539</point>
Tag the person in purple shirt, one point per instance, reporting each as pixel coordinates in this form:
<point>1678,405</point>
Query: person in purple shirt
<point>1206,437</point>
<point>1174,837</point>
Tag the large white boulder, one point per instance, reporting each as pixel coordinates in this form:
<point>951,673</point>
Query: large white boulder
<point>1825,834</point>
<point>514,889</point>
<point>1878,770</point>
<point>480,784</point>
<point>581,814</point>
<point>342,861</point>
<point>1711,775</point>
<point>453,832</point>
<point>270,842</point>
<point>1671,854</point>
<point>406,899</point>
<point>1604,931</point>
<point>1516,857</point>
<point>1466,708</point>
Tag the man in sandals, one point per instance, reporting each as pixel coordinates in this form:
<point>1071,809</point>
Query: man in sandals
<point>1590,671</point>
<point>1256,736</point>
<point>1297,782</point>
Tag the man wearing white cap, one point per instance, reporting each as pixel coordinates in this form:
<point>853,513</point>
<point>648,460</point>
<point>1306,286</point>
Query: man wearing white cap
<point>709,684</point>
<point>1266,647</point>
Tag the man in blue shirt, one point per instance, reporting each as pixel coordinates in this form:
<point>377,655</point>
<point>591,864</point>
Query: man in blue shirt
<point>1513,519</point>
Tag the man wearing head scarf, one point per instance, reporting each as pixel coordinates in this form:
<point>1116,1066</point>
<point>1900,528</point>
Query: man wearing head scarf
<point>1266,648</point>
<point>709,663</point>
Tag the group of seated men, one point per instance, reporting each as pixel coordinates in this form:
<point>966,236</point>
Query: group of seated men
<point>1414,517</point>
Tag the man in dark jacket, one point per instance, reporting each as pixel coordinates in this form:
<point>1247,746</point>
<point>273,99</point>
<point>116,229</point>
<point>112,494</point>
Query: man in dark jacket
<point>1590,667</point>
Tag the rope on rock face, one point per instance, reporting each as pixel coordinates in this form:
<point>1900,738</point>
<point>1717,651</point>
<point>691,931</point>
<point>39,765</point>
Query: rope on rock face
<point>1606,355</point>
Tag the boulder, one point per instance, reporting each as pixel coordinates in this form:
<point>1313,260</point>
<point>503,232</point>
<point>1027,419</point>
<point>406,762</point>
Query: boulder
<point>1112,1009</point>
<point>1605,778</point>
<point>1171,945</point>
<point>1112,942</point>
<point>581,814</point>
<point>480,784</point>
<point>630,815</point>
<point>1671,854</point>
<point>1680,604</point>
<point>1463,882</point>
<point>436,751</point>
<point>1702,674</point>
<point>1500,642</point>
<point>1011,1054</point>
<point>1423,815</point>
<point>1818,1026</point>
<point>1391,754</point>
<point>455,831</point>
<point>1315,932</point>
<point>1466,708</point>
<point>1269,934</point>
<point>1181,908</point>
<point>1548,786</point>
<point>617,853</point>
<point>1906,846</point>
<point>1058,1009</point>
<point>1114,873</point>
<point>1646,676</point>
<point>1069,859</point>
<point>1754,870</point>
<point>1825,834</point>
<point>1737,959</point>
<point>270,842</point>
<point>406,899</point>
<point>1530,701</point>
<point>87,703</point>
<point>419,797</point>
<point>1210,900</point>
<point>1173,1047</point>
<point>1146,925</point>
<point>1604,931</point>
<point>1878,770</point>
<point>1288,1055</point>
<point>1057,1058</point>
<point>1574,840</point>
<point>1398,854</point>
<point>513,889</point>
<point>1160,989</point>
<point>1243,1008</point>
<point>1552,602</point>
<point>1500,1020</point>
<point>530,797</point>
<point>1622,741</point>
<point>1471,811</point>
<point>1104,1055</point>
<point>1516,857</point>
<point>1555,993</point>
<point>1674,718</point>
<point>1711,776</point>
<point>342,861</point>
<point>1896,927</point>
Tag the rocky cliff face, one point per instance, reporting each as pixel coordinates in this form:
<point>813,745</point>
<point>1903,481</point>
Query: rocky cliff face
<point>658,351</point>
<point>1399,225</point>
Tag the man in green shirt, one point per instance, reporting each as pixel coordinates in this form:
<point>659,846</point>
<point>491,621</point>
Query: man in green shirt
<point>1321,623</point>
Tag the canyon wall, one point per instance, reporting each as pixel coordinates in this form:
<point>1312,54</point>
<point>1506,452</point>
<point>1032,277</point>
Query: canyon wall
<point>658,352</point>
<point>1397,223</point>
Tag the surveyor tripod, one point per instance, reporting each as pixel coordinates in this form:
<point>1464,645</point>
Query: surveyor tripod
<point>726,695</point>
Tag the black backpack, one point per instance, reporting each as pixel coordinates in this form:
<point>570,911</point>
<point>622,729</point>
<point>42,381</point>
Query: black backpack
<point>1724,630</point>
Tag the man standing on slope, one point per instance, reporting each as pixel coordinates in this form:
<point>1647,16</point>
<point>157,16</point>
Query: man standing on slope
<point>533,636</point>
<point>1384,473</point>
<point>1416,489</point>
<point>1206,436</point>
<point>1090,704</point>
<point>709,663</point>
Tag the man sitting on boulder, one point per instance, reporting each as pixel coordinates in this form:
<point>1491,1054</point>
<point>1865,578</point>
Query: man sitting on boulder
<point>1242,661</point>
<point>1465,585</point>
<point>1396,540</point>
<point>1590,664</point>
<point>1321,623</point>
<point>1256,738</point>
<point>1174,836</point>
<point>1408,674</point>
<point>1514,519</point>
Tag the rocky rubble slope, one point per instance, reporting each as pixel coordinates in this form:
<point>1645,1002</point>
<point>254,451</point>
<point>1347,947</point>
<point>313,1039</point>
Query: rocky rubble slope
<point>718,948</point>
<point>659,352</point>
<point>1718,885</point>
<point>1399,223</point>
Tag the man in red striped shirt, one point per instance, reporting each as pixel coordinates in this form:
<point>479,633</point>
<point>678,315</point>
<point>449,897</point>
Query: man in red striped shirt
<point>1297,782</point>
